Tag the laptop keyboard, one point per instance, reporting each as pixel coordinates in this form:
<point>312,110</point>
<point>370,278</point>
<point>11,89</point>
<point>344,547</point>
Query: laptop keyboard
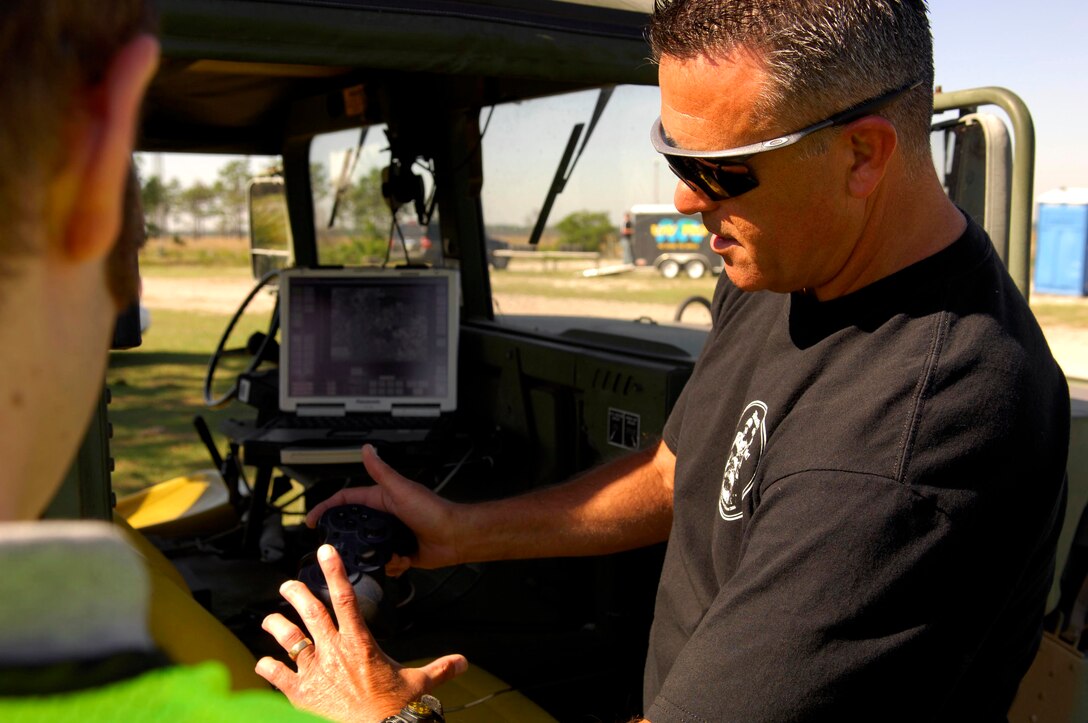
<point>352,422</point>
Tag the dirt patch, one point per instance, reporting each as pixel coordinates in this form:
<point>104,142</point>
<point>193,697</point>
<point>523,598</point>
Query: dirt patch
<point>217,295</point>
<point>541,305</point>
<point>1069,345</point>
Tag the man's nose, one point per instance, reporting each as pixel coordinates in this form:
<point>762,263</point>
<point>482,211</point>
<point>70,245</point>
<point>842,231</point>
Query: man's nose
<point>690,201</point>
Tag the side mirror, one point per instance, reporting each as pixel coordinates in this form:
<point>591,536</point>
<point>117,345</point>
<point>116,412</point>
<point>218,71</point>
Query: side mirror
<point>977,171</point>
<point>270,243</point>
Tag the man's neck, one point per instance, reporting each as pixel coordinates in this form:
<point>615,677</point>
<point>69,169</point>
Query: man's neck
<point>903,223</point>
<point>55,320</point>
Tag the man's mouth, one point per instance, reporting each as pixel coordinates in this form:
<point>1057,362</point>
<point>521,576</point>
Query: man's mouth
<point>721,243</point>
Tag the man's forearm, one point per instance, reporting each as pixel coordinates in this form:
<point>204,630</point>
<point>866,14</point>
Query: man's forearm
<point>619,506</point>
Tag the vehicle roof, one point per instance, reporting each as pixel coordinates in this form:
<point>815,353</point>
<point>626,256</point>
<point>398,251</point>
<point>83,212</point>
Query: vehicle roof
<point>233,69</point>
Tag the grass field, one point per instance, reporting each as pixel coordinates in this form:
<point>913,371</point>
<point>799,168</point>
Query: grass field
<point>195,251</point>
<point>157,390</point>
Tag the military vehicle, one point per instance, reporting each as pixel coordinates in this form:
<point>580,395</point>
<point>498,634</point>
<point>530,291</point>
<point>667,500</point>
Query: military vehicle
<point>459,105</point>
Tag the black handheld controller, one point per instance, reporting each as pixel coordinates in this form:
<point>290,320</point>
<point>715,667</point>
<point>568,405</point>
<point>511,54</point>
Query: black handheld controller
<point>366,539</point>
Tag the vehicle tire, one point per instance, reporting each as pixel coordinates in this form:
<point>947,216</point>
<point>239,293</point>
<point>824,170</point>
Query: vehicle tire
<point>695,269</point>
<point>669,269</point>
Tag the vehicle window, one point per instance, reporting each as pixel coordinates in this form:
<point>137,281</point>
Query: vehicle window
<point>584,264</point>
<point>195,271</point>
<point>355,226</point>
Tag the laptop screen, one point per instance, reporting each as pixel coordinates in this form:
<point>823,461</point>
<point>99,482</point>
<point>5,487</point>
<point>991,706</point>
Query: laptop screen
<point>369,340</point>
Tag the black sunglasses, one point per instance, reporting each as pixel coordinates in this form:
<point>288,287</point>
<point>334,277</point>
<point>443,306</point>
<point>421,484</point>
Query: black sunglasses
<point>724,174</point>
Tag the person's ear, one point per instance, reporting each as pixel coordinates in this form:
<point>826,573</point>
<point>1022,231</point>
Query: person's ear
<point>109,114</point>
<point>872,141</point>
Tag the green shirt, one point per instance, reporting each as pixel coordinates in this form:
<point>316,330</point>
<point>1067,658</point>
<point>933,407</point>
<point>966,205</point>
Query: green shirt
<point>198,693</point>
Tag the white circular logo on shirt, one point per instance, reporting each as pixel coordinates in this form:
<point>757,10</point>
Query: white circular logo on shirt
<point>740,468</point>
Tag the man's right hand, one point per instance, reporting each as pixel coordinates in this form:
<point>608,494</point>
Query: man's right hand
<point>430,517</point>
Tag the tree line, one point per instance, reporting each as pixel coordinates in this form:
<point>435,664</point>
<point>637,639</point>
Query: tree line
<point>198,208</point>
<point>360,212</point>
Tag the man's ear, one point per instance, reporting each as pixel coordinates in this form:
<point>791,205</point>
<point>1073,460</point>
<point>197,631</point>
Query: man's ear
<point>109,114</point>
<point>872,141</point>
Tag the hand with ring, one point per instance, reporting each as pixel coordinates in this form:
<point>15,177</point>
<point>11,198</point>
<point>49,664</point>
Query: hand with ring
<point>298,648</point>
<point>341,673</point>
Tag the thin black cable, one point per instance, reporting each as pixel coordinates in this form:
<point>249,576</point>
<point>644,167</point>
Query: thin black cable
<point>479,142</point>
<point>511,689</point>
<point>389,243</point>
<point>403,243</point>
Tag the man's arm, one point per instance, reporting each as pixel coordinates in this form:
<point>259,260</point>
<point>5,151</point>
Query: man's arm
<point>621,505</point>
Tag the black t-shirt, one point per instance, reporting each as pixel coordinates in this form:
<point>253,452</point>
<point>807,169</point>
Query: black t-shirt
<point>867,501</point>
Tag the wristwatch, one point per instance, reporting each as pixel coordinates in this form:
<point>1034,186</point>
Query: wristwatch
<point>427,709</point>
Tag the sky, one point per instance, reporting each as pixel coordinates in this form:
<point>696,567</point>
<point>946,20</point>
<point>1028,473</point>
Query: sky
<point>1036,49</point>
<point>1039,51</point>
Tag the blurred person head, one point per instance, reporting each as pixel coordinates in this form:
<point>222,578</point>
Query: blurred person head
<point>72,76</point>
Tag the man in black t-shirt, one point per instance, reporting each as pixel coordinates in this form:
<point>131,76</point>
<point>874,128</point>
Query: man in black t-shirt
<point>862,483</point>
<point>880,543</point>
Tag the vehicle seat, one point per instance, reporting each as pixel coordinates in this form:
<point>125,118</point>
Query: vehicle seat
<point>190,505</point>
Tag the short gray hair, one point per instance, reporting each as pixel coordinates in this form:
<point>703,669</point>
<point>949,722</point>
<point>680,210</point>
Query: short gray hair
<point>821,56</point>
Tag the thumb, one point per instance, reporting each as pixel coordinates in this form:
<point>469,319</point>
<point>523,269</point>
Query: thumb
<point>441,670</point>
<point>387,478</point>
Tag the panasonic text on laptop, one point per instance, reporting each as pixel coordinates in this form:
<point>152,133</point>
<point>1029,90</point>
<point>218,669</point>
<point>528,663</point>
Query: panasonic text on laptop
<point>369,340</point>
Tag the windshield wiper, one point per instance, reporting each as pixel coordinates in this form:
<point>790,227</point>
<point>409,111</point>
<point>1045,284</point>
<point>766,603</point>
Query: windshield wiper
<point>346,172</point>
<point>566,165</point>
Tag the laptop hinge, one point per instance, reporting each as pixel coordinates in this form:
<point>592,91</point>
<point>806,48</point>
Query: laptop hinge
<point>321,410</point>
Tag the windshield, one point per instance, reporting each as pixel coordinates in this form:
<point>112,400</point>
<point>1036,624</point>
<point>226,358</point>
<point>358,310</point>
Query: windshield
<point>355,223</point>
<point>613,245</point>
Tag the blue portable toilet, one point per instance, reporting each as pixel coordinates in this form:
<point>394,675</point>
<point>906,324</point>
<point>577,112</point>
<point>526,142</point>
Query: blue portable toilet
<point>1061,242</point>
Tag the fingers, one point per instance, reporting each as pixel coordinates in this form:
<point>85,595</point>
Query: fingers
<point>310,609</point>
<point>397,565</point>
<point>343,497</point>
<point>341,593</point>
<point>380,472</point>
<point>287,634</point>
<point>439,671</point>
<point>377,497</point>
<point>370,496</point>
<point>278,675</point>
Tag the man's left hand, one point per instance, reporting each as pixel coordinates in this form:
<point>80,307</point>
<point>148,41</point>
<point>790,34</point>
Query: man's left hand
<point>343,675</point>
